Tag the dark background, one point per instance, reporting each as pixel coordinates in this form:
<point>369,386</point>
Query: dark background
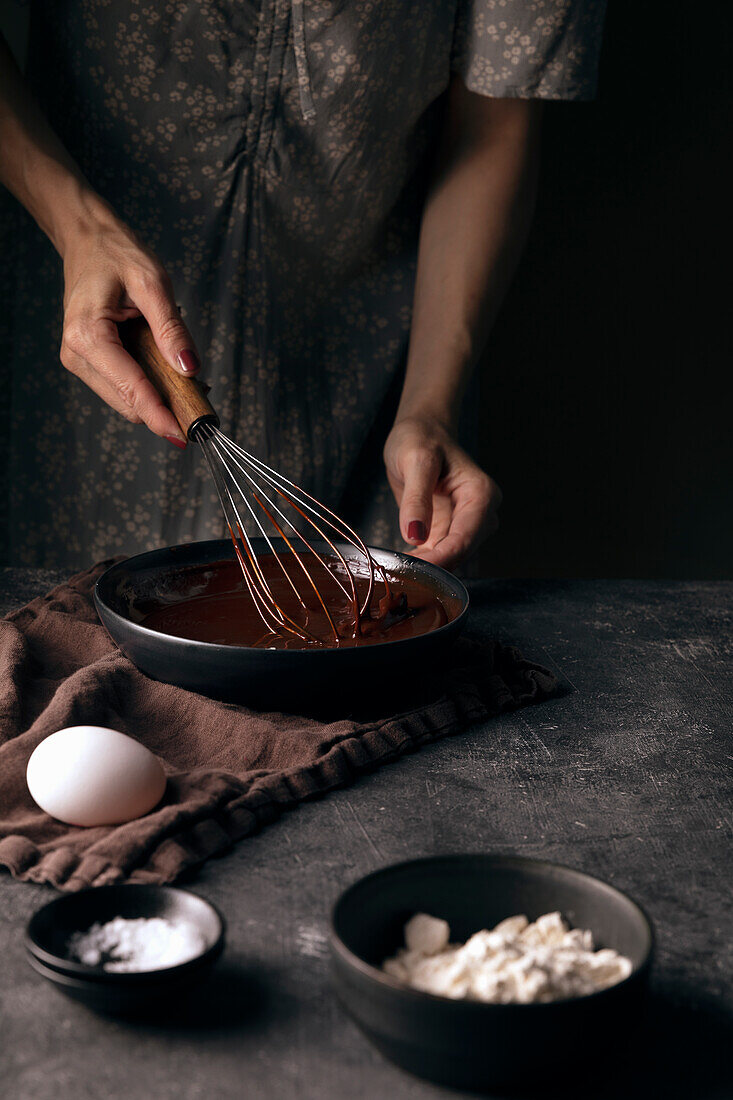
<point>606,387</point>
<point>606,384</point>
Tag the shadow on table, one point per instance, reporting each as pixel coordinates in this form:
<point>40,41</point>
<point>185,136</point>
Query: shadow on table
<point>682,1053</point>
<point>236,995</point>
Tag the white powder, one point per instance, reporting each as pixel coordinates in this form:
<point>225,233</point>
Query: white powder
<point>144,943</point>
<point>515,963</point>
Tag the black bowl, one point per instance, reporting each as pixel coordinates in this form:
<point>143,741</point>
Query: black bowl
<point>277,679</point>
<point>119,997</point>
<point>469,1044</point>
<point>50,928</point>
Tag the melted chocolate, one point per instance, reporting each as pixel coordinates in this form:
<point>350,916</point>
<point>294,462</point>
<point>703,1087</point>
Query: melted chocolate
<point>211,603</point>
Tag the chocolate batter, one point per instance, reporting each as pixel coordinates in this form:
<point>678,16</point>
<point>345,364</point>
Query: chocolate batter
<point>212,604</point>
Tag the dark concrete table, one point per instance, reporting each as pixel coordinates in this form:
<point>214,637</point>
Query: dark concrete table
<point>628,776</point>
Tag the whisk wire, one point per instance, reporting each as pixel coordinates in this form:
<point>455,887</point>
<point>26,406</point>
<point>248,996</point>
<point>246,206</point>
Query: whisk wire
<point>230,463</point>
<point>299,499</point>
<point>253,559</point>
<point>270,477</point>
<point>256,489</point>
<point>270,612</point>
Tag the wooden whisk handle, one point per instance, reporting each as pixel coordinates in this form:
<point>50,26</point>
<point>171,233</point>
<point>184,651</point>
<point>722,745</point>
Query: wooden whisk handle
<point>184,396</point>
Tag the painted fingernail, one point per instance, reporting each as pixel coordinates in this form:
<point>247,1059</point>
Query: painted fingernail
<point>188,361</point>
<point>416,531</point>
<point>176,442</point>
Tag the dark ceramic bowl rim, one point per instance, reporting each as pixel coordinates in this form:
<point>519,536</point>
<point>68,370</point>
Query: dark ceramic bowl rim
<point>76,981</point>
<point>408,993</point>
<point>214,647</point>
<point>104,979</point>
<point>97,975</point>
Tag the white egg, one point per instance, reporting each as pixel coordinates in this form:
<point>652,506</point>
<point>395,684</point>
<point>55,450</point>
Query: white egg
<point>90,775</point>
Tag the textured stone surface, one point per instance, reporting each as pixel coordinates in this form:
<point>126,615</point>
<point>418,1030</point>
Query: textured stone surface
<point>627,775</point>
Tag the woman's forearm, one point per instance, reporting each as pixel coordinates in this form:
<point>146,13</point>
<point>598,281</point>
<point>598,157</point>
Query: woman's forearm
<point>36,167</point>
<point>473,229</point>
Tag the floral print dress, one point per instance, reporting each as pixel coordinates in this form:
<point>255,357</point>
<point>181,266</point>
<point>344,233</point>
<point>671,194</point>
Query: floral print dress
<point>273,153</point>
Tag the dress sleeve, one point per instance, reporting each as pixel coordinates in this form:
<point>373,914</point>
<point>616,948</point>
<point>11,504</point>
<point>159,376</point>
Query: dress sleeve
<point>528,49</point>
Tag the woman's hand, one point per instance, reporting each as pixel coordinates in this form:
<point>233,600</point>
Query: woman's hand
<point>474,222</point>
<point>110,277</point>
<point>448,505</point>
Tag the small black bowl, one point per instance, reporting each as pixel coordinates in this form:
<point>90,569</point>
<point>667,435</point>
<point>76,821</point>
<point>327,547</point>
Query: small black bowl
<point>470,1044</point>
<point>50,928</point>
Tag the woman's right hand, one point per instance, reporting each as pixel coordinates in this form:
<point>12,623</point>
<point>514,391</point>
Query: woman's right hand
<point>110,276</point>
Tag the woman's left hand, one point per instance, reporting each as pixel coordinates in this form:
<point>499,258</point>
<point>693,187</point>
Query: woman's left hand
<point>448,505</point>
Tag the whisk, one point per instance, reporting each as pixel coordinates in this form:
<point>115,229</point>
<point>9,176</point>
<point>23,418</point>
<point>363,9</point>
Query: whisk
<point>250,490</point>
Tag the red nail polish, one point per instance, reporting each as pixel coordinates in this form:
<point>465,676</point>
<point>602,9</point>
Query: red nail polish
<point>416,531</point>
<point>176,442</point>
<point>188,361</point>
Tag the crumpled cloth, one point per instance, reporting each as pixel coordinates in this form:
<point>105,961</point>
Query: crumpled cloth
<point>231,770</point>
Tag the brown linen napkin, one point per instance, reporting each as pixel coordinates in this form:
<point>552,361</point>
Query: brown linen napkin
<point>230,770</point>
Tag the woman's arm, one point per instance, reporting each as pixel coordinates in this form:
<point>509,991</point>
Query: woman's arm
<point>109,275</point>
<point>473,229</point>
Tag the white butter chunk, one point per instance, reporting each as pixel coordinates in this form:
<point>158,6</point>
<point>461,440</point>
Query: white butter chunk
<point>514,963</point>
<point>425,934</point>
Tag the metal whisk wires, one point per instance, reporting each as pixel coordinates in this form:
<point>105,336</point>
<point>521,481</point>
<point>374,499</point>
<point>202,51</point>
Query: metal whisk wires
<point>248,489</point>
